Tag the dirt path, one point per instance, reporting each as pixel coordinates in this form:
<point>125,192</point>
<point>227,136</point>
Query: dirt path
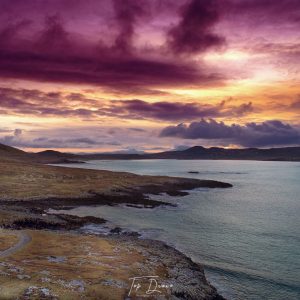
<point>24,239</point>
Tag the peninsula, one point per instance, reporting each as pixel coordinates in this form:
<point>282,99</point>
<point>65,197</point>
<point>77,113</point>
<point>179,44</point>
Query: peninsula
<point>46,256</point>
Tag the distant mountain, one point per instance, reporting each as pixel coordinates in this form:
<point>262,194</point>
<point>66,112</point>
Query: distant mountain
<point>54,157</point>
<point>52,153</point>
<point>197,152</point>
<point>48,156</point>
<point>51,156</point>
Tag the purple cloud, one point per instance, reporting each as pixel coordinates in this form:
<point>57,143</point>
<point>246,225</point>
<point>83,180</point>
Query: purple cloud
<point>268,133</point>
<point>171,111</point>
<point>194,32</point>
<point>44,43</point>
<point>127,13</point>
<point>263,11</point>
<point>23,101</point>
<point>53,53</point>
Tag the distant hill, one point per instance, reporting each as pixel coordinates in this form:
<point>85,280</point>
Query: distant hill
<point>7,152</point>
<point>4,149</point>
<point>197,152</point>
<point>51,153</point>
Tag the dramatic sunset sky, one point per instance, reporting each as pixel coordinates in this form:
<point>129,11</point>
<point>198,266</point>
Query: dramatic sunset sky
<point>149,75</point>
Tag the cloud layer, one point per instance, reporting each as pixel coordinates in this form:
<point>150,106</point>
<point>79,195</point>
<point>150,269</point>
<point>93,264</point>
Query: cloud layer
<point>146,64</point>
<point>193,33</point>
<point>53,53</point>
<point>38,103</point>
<point>268,133</point>
<point>108,45</point>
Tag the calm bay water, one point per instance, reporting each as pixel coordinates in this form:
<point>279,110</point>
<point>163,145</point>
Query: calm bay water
<point>247,237</point>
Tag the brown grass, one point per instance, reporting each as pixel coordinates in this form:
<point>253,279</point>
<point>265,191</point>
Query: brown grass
<point>21,180</point>
<point>7,239</point>
<point>103,265</point>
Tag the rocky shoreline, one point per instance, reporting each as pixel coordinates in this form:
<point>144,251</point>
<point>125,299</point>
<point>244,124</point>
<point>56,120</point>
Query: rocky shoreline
<point>31,213</point>
<point>137,196</point>
<point>27,193</point>
<point>187,277</point>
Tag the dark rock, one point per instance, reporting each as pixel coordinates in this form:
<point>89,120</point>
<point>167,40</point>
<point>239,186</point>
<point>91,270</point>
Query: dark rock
<point>116,230</point>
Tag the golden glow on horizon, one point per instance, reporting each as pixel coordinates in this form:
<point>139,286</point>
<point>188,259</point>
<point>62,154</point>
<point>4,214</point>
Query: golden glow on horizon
<point>268,89</point>
<point>230,55</point>
<point>129,73</point>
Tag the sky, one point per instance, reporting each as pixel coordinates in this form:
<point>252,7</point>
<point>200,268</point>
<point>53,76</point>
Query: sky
<point>149,75</point>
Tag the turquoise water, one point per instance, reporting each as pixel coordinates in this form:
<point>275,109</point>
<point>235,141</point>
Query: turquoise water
<point>247,236</point>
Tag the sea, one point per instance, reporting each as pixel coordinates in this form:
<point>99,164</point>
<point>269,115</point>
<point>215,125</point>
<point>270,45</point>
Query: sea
<point>247,237</point>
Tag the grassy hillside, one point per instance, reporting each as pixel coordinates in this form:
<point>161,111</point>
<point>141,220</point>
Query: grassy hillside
<point>21,180</point>
<point>7,152</point>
